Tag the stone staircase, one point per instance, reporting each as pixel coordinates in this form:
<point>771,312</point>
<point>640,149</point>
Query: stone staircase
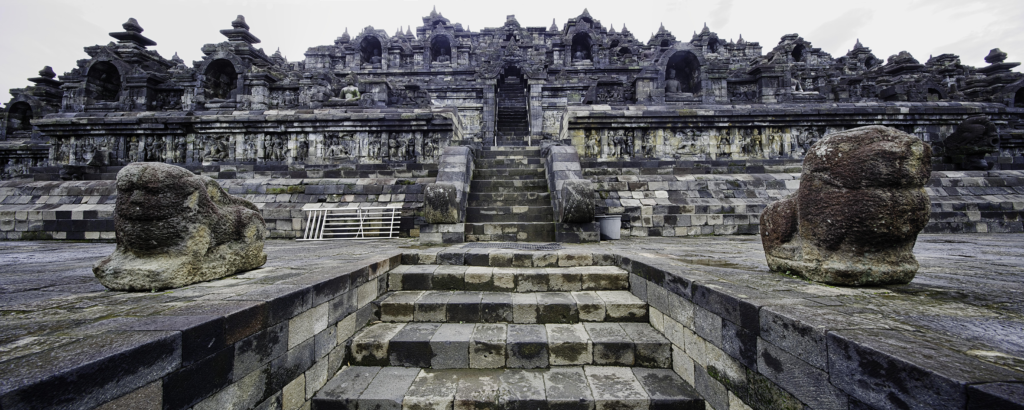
<point>482,337</point>
<point>508,197</point>
<point>513,126</point>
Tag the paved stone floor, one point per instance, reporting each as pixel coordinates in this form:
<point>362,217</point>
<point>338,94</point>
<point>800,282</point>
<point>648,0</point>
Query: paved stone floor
<point>968,295</point>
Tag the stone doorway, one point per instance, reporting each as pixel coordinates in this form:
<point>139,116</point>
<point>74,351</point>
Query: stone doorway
<point>512,124</point>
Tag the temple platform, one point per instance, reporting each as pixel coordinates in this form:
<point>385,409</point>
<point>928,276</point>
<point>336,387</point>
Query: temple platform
<point>739,336</point>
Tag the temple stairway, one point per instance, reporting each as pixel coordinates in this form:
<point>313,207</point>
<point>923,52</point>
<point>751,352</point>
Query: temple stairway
<point>508,197</point>
<point>513,127</point>
<point>483,337</point>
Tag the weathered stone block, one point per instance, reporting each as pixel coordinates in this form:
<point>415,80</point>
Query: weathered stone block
<point>175,228</point>
<point>858,211</point>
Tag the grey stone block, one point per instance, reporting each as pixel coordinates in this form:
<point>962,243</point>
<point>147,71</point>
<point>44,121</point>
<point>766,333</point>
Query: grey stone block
<point>527,347</point>
<point>450,346</point>
<point>569,344</point>
<point>411,346</point>
<point>708,326</point>
<point>666,390</point>
<point>370,346</point>
<point>932,376</point>
<point>616,388</point>
<point>496,307</point>
<point>622,306</point>
<point>612,346</point>
<point>464,307</point>
<point>556,308</point>
<point>524,308</point>
<point>713,392</point>
<point>567,389</point>
<point>387,390</point>
<point>432,390</point>
<point>477,388</point>
<point>651,347</point>
<point>487,347</point>
<point>432,306</point>
<point>808,384</point>
<point>590,306</point>
<point>343,391</point>
<point>522,389</point>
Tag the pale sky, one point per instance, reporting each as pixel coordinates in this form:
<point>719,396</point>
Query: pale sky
<point>53,32</point>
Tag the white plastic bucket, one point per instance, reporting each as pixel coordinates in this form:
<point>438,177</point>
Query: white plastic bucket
<point>610,226</point>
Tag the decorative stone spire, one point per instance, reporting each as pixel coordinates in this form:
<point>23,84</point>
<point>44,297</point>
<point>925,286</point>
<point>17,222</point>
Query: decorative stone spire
<point>554,27</point>
<point>611,29</point>
<point>995,56</point>
<point>858,45</point>
<point>177,60</point>
<point>239,31</point>
<point>47,72</point>
<point>132,34</point>
<point>240,22</point>
<point>408,31</point>
<point>346,37</point>
<point>741,41</point>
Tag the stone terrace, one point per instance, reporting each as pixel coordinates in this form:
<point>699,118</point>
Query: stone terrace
<point>741,336</point>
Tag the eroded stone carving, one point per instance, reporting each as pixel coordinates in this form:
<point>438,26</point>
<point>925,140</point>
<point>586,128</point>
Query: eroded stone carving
<point>857,214</point>
<point>175,228</point>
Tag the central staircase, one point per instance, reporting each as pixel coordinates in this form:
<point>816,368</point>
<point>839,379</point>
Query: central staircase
<point>482,337</point>
<point>513,127</point>
<point>508,197</point>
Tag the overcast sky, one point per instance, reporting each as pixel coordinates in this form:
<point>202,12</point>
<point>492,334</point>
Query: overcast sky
<point>53,32</point>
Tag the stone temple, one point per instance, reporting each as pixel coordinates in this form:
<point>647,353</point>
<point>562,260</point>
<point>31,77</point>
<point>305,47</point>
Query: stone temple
<point>485,141</point>
<point>683,136</point>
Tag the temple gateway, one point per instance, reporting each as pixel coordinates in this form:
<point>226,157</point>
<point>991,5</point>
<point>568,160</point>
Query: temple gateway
<point>684,136</point>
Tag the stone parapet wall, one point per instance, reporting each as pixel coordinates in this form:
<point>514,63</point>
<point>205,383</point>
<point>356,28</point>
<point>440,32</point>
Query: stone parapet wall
<point>775,132</point>
<point>731,203</point>
<point>272,338</point>
<point>83,210</point>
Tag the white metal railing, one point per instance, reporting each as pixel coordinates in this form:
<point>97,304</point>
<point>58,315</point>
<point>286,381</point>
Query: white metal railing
<point>351,223</point>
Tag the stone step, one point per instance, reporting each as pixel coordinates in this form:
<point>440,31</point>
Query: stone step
<point>485,214</point>
<point>491,163</point>
<point>512,346</point>
<point>491,279</point>
<point>508,174</point>
<point>568,387</point>
<point>528,152</point>
<point>511,307</point>
<point>510,232</point>
<point>509,198</point>
<point>529,185</point>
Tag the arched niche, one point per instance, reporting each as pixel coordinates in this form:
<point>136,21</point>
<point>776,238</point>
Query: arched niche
<point>625,52</point>
<point>19,117</point>
<point>221,80</point>
<point>614,43</point>
<point>103,82</point>
<point>1018,98</point>
<point>871,62</point>
<point>933,94</point>
<point>684,67</point>
<point>441,49</point>
<point>371,50</point>
<point>798,53</point>
<point>665,43</point>
<point>581,47</point>
<point>713,45</point>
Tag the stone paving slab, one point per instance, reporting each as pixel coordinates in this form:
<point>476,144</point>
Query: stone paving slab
<point>566,387</point>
